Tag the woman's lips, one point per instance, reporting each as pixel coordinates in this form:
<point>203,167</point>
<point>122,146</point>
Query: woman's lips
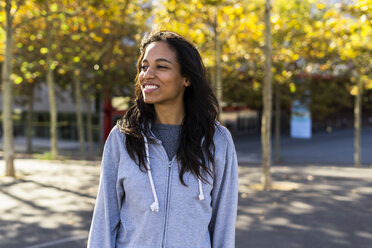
<point>148,88</point>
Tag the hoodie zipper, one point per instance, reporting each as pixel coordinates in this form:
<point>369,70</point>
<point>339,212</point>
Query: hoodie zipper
<point>167,203</point>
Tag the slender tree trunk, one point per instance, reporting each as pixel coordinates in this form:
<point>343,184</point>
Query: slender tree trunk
<point>51,92</point>
<point>30,107</point>
<point>267,104</point>
<point>277,122</point>
<point>79,115</point>
<point>53,110</point>
<point>53,106</point>
<point>8,143</point>
<point>89,128</point>
<point>358,125</point>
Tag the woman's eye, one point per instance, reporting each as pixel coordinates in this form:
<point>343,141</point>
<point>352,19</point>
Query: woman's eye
<point>144,67</point>
<point>162,67</point>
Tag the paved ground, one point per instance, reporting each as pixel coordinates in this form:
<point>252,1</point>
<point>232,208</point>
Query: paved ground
<point>51,203</point>
<point>312,207</point>
<point>336,147</point>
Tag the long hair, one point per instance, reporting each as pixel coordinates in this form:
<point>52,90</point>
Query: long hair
<point>196,146</point>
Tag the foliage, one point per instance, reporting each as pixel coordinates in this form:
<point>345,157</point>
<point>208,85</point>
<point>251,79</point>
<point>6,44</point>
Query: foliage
<point>97,38</point>
<point>317,38</point>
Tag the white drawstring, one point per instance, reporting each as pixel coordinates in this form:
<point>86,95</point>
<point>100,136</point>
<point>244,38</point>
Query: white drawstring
<point>201,194</point>
<point>155,205</point>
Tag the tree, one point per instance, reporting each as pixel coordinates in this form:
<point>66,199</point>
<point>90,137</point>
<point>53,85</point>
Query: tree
<point>267,103</point>
<point>222,31</point>
<point>28,73</point>
<point>50,28</point>
<point>287,38</point>
<point>7,89</point>
<point>99,42</point>
<point>340,37</point>
<point>358,49</point>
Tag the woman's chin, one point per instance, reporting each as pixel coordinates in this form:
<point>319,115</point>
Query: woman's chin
<point>149,101</point>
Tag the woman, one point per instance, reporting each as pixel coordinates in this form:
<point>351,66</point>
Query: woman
<point>169,169</point>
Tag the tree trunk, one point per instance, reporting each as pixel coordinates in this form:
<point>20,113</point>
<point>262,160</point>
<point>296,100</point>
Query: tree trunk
<point>8,95</point>
<point>51,92</point>
<point>89,128</point>
<point>79,115</point>
<point>53,107</point>
<point>30,106</point>
<point>358,125</point>
<point>53,110</point>
<point>277,123</point>
<point>267,104</point>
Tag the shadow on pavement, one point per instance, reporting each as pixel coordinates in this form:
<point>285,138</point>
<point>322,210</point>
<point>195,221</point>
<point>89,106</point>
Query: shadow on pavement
<point>51,203</point>
<point>315,210</point>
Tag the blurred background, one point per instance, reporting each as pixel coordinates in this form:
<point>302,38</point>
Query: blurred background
<point>73,62</point>
<point>68,69</point>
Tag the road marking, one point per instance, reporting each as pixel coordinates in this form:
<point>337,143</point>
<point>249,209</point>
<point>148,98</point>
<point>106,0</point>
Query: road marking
<point>61,241</point>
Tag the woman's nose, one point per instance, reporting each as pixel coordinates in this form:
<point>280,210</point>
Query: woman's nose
<point>149,73</point>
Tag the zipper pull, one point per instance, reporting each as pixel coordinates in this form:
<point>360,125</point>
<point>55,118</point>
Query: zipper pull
<point>169,164</point>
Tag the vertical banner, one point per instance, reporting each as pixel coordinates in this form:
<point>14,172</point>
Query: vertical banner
<point>300,120</point>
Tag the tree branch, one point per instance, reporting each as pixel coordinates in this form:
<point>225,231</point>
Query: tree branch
<point>18,5</point>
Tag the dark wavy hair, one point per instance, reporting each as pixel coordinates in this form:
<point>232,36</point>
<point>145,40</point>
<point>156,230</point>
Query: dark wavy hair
<point>196,146</point>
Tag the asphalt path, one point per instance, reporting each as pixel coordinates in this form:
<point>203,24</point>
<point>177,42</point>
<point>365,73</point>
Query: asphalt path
<point>50,204</point>
<point>336,147</point>
<point>309,207</point>
<point>318,199</point>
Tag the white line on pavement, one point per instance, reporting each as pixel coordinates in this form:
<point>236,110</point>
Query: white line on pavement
<point>61,241</point>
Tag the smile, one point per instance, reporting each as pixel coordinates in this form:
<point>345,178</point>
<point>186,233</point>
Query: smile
<point>148,88</point>
<point>151,86</point>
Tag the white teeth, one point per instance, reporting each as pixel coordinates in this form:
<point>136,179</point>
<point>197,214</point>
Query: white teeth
<point>151,86</point>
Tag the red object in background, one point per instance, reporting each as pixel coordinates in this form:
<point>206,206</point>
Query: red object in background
<point>110,114</point>
<point>235,108</point>
<point>107,119</point>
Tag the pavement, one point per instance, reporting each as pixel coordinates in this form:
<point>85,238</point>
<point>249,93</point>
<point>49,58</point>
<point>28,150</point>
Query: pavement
<point>312,204</point>
<point>310,207</point>
<point>50,203</point>
<point>324,148</point>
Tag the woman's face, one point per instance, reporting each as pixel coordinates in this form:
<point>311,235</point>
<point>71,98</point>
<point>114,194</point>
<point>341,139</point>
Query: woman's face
<point>160,78</point>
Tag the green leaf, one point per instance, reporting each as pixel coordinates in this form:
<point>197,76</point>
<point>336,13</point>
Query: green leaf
<point>44,50</point>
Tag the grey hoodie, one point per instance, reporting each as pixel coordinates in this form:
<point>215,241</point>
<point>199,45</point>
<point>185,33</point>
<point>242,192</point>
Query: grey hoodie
<point>154,210</point>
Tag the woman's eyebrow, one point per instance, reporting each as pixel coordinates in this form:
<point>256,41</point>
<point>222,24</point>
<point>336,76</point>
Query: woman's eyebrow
<point>158,60</point>
<point>162,59</point>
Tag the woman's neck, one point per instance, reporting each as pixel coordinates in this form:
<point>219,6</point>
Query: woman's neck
<point>172,115</point>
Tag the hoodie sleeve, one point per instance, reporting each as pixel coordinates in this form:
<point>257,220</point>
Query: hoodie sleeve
<point>106,215</point>
<point>225,199</point>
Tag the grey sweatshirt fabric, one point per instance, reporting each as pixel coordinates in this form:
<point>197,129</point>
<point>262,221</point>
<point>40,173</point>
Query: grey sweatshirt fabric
<point>169,137</point>
<point>122,215</point>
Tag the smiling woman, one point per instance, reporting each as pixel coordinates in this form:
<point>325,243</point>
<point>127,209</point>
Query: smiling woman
<point>161,81</point>
<point>169,173</point>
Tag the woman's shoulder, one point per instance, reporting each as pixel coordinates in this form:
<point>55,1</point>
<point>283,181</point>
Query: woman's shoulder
<point>116,135</point>
<point>222,134</point>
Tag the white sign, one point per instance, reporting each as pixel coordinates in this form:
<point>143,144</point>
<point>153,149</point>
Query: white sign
<point>300,121</point>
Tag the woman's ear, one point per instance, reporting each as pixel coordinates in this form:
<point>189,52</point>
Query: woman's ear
<point>187,82</point>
